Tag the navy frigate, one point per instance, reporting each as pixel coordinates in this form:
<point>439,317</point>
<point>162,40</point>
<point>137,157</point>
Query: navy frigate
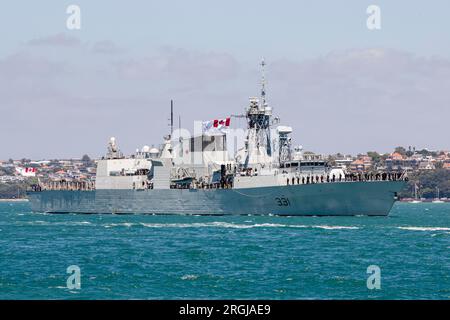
<point>197,176</point>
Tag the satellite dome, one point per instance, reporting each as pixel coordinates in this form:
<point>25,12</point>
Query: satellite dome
<point>284,129</point>
<point>145,149</point>
<point>154,151</point>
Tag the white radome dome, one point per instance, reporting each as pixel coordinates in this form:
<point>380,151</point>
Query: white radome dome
<point>284,129</point>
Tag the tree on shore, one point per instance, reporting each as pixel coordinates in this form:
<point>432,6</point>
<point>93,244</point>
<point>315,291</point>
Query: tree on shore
<point>400,150</point>
<point>375,156</point>
<point>428,181</point>
<point>86,159</point>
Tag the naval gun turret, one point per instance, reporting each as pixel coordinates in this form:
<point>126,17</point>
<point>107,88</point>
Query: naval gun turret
<point>113,150</point>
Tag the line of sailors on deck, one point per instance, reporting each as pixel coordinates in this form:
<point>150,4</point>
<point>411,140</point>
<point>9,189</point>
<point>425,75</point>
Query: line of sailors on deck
<point>395,176</point>
<point>64,185</point>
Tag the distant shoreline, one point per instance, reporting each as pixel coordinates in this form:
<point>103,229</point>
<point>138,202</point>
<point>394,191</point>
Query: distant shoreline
<point>14,200</point>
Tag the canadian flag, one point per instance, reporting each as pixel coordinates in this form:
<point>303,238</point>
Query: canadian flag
<point>216,126</point>
<point>26,172</point>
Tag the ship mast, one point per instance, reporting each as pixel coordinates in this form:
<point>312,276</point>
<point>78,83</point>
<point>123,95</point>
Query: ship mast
<point>259,114</point>
<point>263,84</point>
<point>265,107</point>
<point>166,152</point>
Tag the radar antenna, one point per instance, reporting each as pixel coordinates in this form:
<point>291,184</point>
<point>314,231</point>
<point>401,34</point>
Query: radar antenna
<point>263,83</point>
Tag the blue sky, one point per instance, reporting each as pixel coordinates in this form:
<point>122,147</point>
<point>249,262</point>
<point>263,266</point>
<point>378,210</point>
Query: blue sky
<point>243,28</point>
<point>342,87</point>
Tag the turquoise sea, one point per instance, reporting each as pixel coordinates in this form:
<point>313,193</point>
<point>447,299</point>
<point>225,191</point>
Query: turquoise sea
<point>225,257</point>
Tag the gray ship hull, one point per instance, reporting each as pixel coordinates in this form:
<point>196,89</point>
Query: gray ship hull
<point>374,198</point>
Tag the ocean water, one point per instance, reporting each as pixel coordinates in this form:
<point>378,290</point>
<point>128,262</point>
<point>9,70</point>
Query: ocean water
<point>227,257</point>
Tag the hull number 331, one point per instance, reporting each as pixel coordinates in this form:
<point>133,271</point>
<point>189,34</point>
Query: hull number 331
<point>282,201</point>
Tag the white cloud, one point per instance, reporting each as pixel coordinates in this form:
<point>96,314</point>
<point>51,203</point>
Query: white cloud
<point>60,39</point>
<point>24,64</point>
<point>366,99</point>
<point>106,47</point>
<point>180,64</point>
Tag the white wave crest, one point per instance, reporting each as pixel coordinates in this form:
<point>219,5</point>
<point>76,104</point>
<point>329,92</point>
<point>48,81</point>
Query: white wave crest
<point>124,224</point>
<point>58,223</point>
<point>240,226</point>
<point>336,227</point>
<point>189,277</point>
<point>197,225</point>
<point>425,228</point>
